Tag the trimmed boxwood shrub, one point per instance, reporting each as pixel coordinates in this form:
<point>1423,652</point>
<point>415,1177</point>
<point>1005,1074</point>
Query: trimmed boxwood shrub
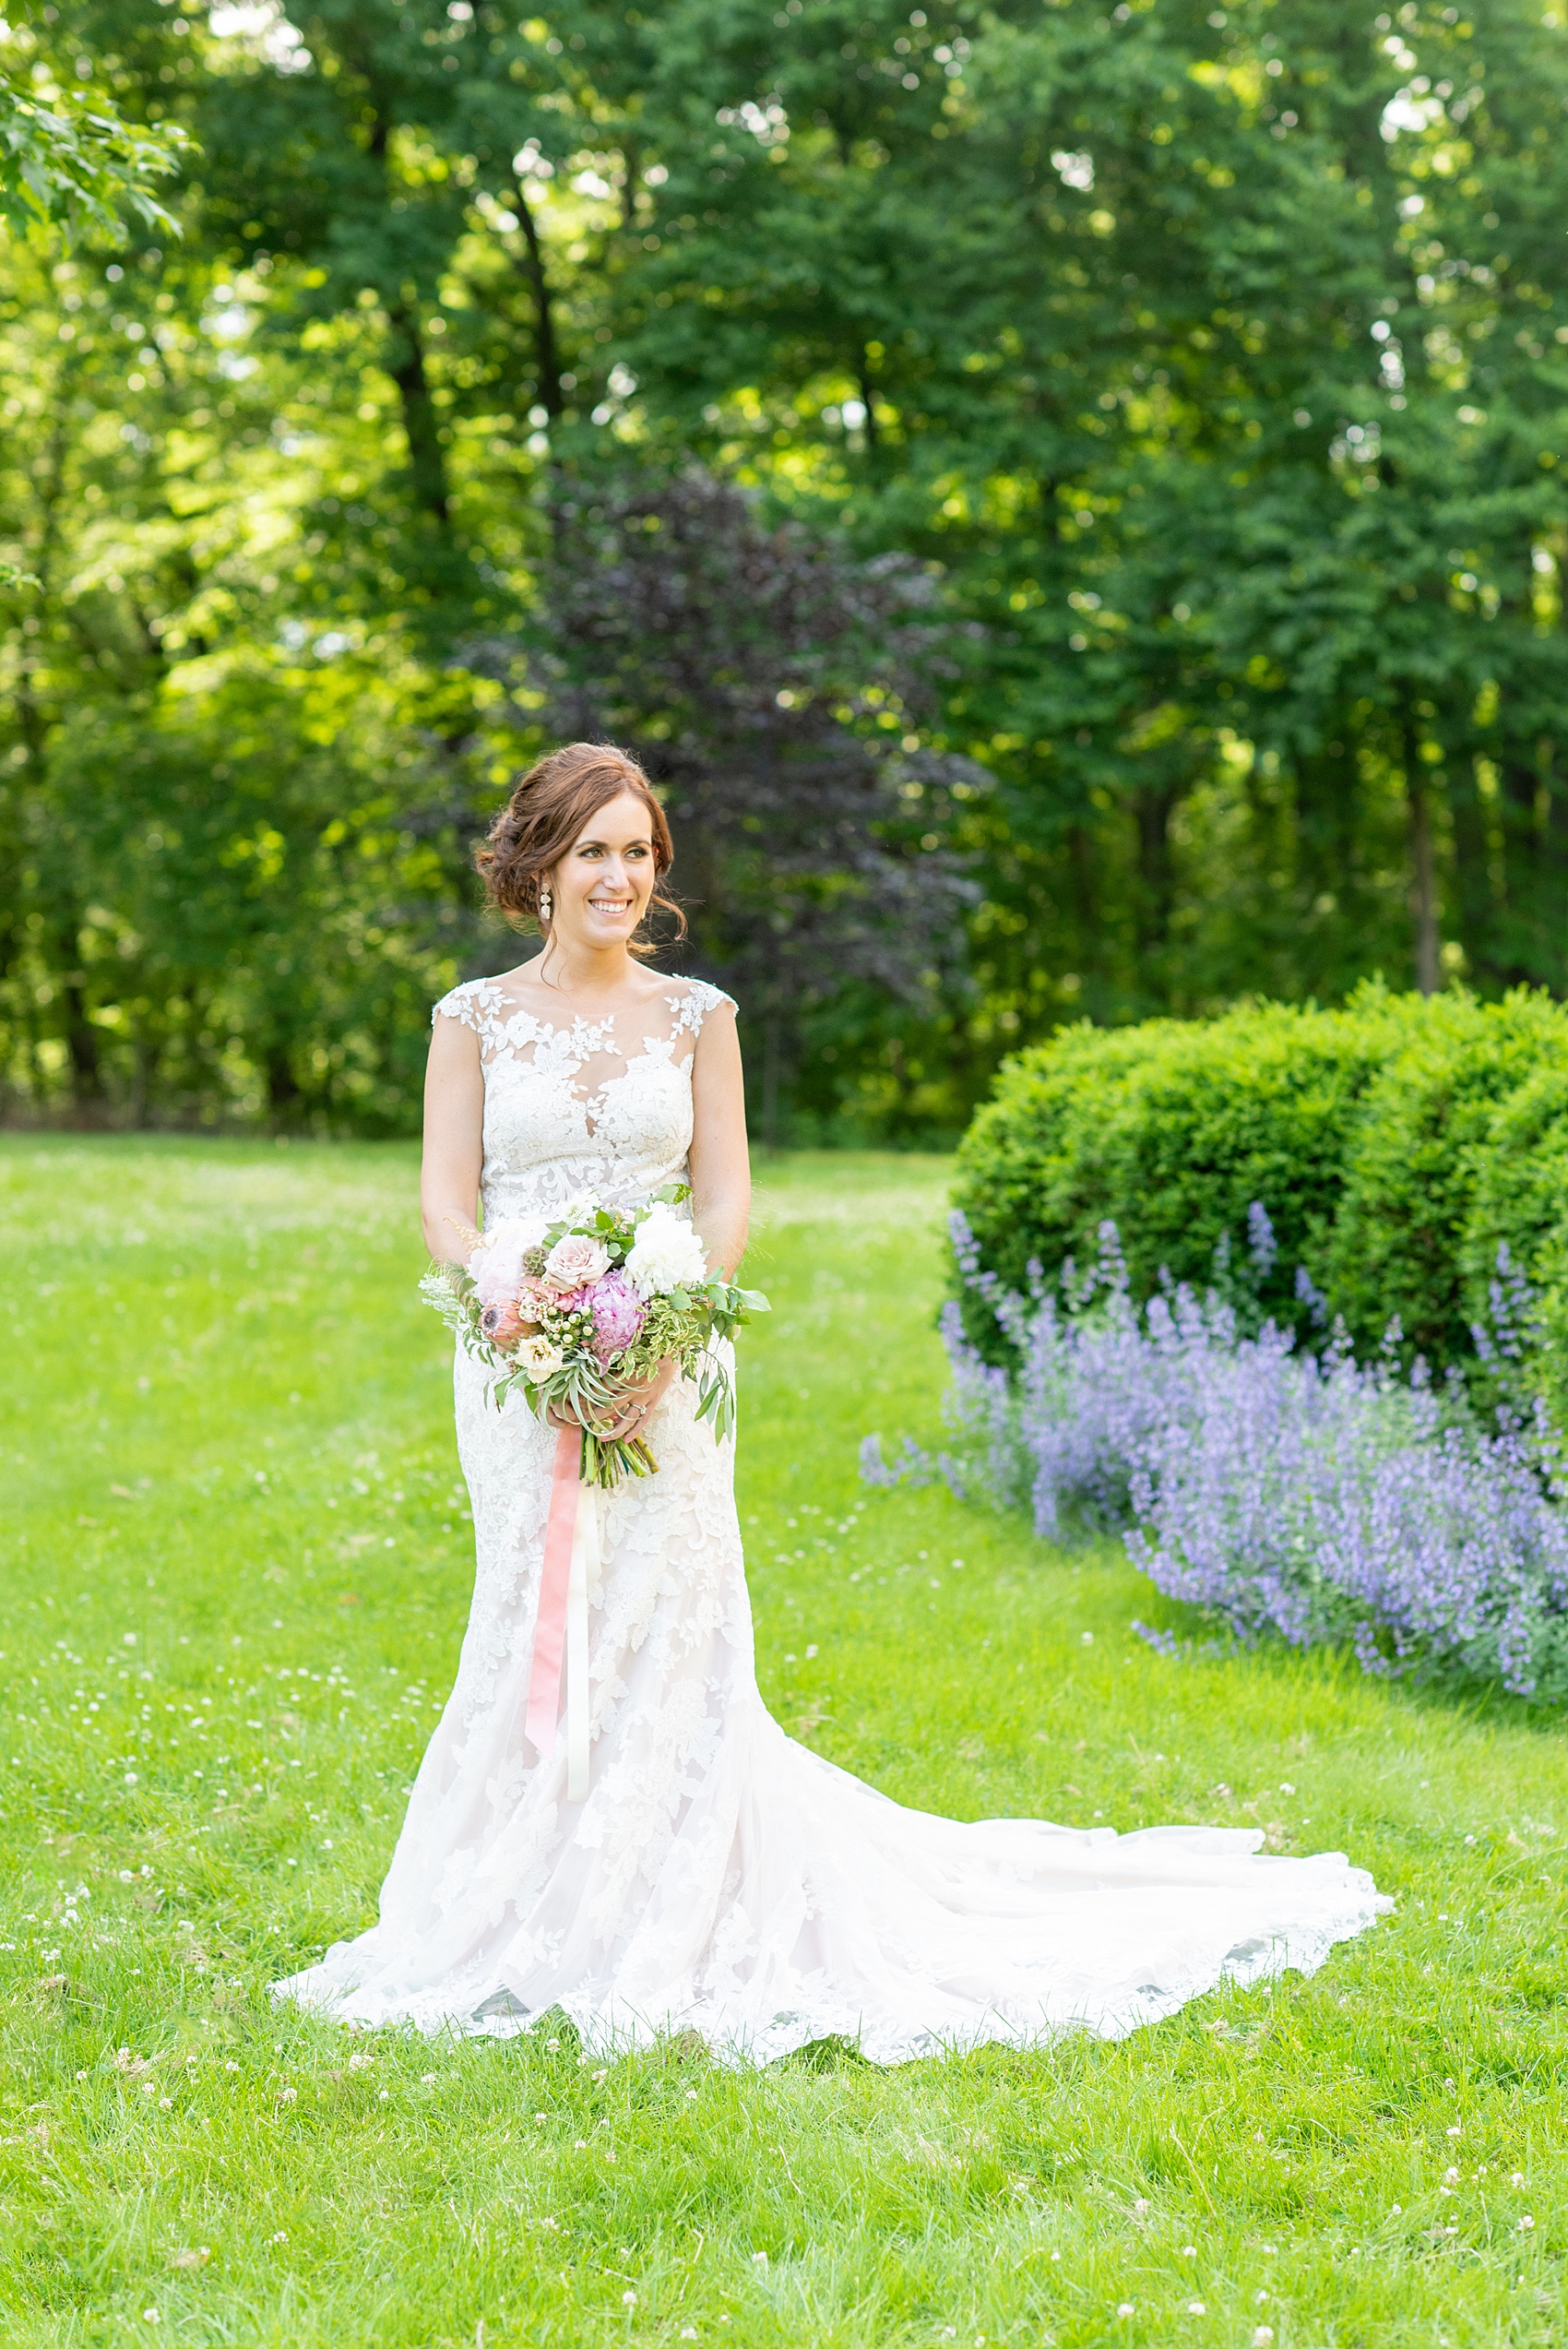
<point>1172,1130</point>
<point>1520,1200</point>
<point>1394,1144</point>
<point>1401,1239</point>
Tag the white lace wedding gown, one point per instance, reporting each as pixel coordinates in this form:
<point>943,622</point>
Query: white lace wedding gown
<point>720,1877</point>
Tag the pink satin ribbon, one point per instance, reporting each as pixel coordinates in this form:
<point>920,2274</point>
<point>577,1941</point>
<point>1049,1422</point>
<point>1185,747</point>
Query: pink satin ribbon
<point>549,1631</point>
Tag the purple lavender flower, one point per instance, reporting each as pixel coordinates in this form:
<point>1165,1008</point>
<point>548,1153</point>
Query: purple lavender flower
<point>618,1312</point>
<point>1323,1500</point>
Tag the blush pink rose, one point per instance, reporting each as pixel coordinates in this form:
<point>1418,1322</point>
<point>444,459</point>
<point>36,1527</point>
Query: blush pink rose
<point>576,1261</point>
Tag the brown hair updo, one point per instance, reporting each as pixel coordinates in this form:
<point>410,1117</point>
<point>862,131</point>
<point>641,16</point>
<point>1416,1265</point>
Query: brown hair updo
<point>549,810</point>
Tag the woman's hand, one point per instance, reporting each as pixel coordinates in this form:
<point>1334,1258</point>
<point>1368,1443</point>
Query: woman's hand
<point>633,1406</point>
<point>638,1403</point>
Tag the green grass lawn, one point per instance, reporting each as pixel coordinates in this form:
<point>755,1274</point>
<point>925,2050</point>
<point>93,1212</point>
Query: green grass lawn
<point>236,1573</point>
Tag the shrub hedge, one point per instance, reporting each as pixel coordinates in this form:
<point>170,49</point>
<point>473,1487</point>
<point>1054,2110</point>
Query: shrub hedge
<point>1395,1143</point>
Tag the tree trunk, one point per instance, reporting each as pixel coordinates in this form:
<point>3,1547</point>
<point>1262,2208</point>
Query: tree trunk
<point>1051,518</point>
<point>1423,872</point>
<point>547,357</point>
<point>282,1090</point>
<point>427,463</point>
<point>770,1054</point>
<point>868,401</point>
<point>81,1042</point>
<point>1524,872</point>
<point>1554,862</point>
<point>1153,808</point>
<point>1472,874</point>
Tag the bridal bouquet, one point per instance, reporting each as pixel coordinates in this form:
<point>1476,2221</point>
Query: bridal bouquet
<point>578,1309</point>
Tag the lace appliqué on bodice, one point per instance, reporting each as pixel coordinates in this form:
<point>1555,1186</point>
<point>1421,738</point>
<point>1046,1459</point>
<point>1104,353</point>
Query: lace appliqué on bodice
<point>574,1108</point>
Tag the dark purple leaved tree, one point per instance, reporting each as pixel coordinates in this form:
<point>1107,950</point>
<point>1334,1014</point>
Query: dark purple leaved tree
<point>777,692</point>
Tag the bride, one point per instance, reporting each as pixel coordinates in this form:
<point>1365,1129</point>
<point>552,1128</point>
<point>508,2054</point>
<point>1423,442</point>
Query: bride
<point>716,1877</point>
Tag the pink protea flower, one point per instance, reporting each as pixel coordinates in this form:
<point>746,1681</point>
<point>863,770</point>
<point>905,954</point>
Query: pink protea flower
<point>502,1324</point>
<point>618,1314</point>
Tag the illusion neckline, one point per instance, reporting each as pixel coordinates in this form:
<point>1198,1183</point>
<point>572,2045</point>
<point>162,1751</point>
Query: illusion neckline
<point>579,1018</point>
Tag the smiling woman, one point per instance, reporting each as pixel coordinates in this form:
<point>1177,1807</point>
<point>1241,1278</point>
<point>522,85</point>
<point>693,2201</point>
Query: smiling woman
<point>584,822</point>
<point>674,1863</point>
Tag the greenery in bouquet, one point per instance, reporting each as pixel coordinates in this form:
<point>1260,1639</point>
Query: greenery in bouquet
<point>579,1310</point>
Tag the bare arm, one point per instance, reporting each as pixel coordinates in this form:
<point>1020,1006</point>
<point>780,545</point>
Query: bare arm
<point>721,1174</point>
<point>454,1142</point>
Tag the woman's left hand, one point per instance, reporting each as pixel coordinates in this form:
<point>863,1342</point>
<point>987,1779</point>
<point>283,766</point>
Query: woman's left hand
<point>637,1404</point>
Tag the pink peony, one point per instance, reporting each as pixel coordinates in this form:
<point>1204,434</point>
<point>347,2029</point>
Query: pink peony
<point>618,1314</point>
<point>576,1261</point>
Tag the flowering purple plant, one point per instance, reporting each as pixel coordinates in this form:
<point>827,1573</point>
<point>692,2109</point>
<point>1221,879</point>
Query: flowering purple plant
<point>1317,1497</point>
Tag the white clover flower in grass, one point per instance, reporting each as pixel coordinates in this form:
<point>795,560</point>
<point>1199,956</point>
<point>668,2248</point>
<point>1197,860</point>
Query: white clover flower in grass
<point>666,1254</point>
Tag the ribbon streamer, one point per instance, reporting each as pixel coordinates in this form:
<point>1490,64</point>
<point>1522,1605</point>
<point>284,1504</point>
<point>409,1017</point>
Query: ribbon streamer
<point>571,1564</point>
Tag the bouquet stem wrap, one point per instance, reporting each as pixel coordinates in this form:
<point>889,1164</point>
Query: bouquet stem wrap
<point>571,1564</point>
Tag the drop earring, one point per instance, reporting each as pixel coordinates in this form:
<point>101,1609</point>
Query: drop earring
<point>546,903</point>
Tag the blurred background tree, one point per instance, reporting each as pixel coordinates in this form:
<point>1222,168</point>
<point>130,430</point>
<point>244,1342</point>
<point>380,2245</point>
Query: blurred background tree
<point>1067,498</point>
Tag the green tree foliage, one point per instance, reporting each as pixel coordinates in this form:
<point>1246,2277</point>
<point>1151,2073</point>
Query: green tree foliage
<point>1220,360</point>
<point>1208,366</point>
<point>69,160</point>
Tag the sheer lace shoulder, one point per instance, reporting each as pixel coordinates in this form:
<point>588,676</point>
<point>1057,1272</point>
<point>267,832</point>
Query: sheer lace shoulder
<point>478,1003</point>
<point>692,1007</point>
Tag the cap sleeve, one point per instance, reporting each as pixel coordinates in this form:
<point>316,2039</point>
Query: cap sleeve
<point>470,1002</point>
<point>692,1007</point>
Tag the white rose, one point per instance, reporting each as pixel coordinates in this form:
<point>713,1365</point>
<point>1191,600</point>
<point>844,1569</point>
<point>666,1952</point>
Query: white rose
<point>666,1254</point>
<point>539,1358</point>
